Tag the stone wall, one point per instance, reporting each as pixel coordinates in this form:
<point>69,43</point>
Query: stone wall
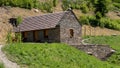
<point>100,51</point>
<point>68,22</point>
<point>54,35</point>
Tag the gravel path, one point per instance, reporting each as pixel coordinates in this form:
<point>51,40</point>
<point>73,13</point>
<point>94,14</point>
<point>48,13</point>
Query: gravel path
<point>5,61</point>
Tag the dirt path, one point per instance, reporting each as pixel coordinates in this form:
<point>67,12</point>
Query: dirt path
<point>6,62</point>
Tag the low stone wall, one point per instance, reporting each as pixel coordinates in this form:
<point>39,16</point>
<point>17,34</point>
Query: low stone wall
<point>100,51</point>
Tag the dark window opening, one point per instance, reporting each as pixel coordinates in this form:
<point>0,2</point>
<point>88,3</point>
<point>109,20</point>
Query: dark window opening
<point>13,21</point>
<point>45,33</point>
<point>71,33</point>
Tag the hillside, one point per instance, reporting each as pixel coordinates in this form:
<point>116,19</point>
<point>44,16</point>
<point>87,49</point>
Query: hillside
<point>110,21</point>
<point>1,65</point>
<point>31,55</point>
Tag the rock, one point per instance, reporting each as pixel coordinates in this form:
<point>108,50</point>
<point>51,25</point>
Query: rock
<point>102,52</point>
<point>35,10</point>
<point>118,14</point>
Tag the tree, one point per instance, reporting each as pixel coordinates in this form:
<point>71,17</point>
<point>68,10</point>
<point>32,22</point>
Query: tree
<point>102,6</point>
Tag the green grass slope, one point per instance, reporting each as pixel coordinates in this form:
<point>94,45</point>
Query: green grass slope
<point>32,55</point>
<point>113,41</point>
<point>1,65</point>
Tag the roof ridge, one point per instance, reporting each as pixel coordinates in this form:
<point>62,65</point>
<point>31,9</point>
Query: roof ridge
<point>46,14</point>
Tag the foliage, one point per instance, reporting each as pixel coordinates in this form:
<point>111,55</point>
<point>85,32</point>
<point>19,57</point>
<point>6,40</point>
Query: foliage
<point>117,5</point>
<point>19,20</point>
<point>47,6</point>
<point>35,55</point>
<point>9,37</point>
<point>101,6</point>
<point>109,23</point>
<point>76,4</point>
<point>88,20</point>
<point>113,41</point>
<point>55,3</point>
<point>18,38</point>
<point>29,4</point>
<point>102,22</point>
<point>1,65</point>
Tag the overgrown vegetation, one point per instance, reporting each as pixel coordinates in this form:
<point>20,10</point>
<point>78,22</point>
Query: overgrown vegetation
<point>113,41</point>
<point>102,22</point>
<point>29,4</point>
<point>99,7</point>
<point>11,38</point>
<point>77,4</point>
<point>19,20</point>
<point>1,65</point>
<point>53,55</point>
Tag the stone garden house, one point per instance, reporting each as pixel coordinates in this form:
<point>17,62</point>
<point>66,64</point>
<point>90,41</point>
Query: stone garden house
<point>62,27</point>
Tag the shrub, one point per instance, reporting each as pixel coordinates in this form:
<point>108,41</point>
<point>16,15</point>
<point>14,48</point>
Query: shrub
<point>55,2</point>
<point>47,6</point>
<point>84,8</point>
<point>75,4</point>
<point>29,4</point>
<point>19,20</point>
<point>9,37</point>
<point>18,37</point>
<point>84,20</point>
<point>102,22</point>
<point>109,23</point>
<point>88,20</point>
<point>117,5</point>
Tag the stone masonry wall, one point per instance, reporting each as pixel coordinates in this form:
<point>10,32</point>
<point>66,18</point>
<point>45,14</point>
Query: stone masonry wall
<point>54,35</point>
<point>68,22</point>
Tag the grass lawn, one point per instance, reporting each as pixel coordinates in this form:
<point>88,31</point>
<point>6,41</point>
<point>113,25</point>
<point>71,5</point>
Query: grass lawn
<point>113,41</point>
<point>1,65</point>
<point>34,55</point>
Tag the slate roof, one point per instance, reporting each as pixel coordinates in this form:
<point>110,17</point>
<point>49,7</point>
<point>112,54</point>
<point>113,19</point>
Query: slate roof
<point>46,21</point>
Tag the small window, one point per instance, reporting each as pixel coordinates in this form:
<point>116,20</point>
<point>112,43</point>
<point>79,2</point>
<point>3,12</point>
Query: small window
<point>45,33</point>
<point>71,33</point>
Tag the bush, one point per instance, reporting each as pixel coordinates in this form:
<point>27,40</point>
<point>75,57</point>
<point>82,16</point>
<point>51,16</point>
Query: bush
<point>29,4</point>
<point>88,20</point>
<point>9,37</point>
<point>117,5</point>
<point>84,20</point>
<point>76,4</point>
<point>47,6</point>
<point>55,2</point>
<point>111,24</point>
<point>84,8</point>
<point>102,22</point>
<point>19,20</point>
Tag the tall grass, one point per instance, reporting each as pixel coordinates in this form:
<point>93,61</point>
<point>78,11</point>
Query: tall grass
<point>53,55</point>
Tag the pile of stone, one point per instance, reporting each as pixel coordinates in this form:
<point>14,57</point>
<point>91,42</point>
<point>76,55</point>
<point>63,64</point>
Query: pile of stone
<point>100,51</point>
